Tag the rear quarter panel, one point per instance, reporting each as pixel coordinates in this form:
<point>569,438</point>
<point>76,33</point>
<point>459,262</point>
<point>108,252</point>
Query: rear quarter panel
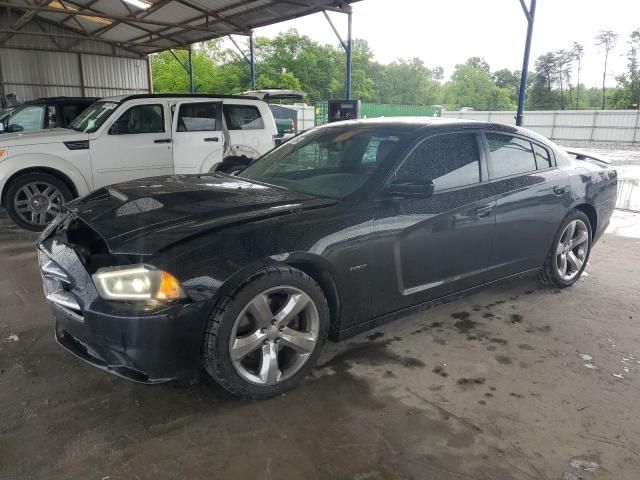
<point>595,184</point>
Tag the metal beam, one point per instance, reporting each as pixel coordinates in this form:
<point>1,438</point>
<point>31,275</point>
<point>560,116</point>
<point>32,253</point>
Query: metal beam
<point>347,47</point>
<point>24,19</point>
<point>137,56</point>
<point>335,30</point>
<point>530,13</point>
<point>116,43</point>
<point>118,18</point>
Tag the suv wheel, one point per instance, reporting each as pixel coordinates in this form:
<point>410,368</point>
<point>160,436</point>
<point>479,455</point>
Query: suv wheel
<point>35,199</point>
<point>266,335</point>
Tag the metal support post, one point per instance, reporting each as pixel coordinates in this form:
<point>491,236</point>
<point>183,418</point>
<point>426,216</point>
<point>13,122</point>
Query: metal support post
<point>252,61</point>
<point>191,85</point>
<point>349,48</point>
<point>530,13</point>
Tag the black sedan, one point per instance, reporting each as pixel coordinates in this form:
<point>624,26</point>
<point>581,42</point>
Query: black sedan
<point>326,236</point>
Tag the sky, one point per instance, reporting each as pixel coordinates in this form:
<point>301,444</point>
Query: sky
<point>446,32</point>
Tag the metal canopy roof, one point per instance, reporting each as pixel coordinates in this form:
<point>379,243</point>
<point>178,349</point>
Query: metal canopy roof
<point>140,27</point>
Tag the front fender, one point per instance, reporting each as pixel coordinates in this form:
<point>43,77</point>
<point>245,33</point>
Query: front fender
<point>30,161</point>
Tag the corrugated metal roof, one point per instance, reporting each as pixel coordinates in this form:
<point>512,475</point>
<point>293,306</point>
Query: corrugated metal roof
<point>121,25</point>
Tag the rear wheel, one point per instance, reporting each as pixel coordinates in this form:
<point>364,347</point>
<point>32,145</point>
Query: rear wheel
<point>266,336</point>
<point>35,199</point>
<point>569,253</point>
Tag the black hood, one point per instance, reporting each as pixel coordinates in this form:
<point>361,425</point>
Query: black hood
<point>144,216</point>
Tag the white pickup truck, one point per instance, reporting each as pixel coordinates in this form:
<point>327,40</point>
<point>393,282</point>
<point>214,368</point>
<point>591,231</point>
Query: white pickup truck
<point>123,138</point>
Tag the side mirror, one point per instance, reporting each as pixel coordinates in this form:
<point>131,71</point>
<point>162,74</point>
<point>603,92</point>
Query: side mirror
<point>15,128</point>
<point>119,127</point>
<point>411,187</point>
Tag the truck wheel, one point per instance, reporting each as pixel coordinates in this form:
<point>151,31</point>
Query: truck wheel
<point>33,200</point>
<point>569,252</point>
<point>267,334</point>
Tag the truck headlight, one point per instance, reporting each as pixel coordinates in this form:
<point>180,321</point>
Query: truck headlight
<point>137,282</point>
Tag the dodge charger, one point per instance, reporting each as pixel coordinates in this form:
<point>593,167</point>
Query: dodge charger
<point>334,232</point>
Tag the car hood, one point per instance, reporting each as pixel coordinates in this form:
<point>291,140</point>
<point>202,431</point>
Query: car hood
<point>36,137</point>
<point>148,215</point>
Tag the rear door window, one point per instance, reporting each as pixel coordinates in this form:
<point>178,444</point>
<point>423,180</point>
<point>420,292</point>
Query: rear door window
<point>198,117</point>
<point>543,159</point>
<point>450,161</point>
<point>243,117</point>
<point>509,155</point>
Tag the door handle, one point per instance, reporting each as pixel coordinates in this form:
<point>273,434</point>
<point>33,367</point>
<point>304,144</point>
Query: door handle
<point>162,140</point>
<point>484,211</point>
<point>212,139</point>
<point>560,189</point>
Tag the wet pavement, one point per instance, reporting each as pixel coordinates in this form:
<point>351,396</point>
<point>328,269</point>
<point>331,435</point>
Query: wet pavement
<point>515,382</point>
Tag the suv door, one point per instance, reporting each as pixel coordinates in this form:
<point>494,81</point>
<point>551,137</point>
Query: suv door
<point>430,247</point>
<point>198,138</point>
<point>136,144</point>
<point>251,129</point>
<point>532,198</point>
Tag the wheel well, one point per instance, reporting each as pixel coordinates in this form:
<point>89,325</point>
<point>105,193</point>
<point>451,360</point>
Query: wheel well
<point>590,212</point>
<point>50,171</point>
<point>329,288</point>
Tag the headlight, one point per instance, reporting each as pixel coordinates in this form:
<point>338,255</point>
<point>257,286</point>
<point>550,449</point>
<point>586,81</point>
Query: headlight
<point>137,283</point>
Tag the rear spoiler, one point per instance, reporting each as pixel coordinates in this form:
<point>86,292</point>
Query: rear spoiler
<point>584,155</point>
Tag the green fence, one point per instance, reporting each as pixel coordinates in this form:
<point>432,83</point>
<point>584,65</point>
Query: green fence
<point>376,110</point>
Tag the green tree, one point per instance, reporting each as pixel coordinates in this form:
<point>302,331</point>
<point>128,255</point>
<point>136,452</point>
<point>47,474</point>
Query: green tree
<point>607,39</point>
<point>627,95</point>
<point>578,53</point>
<point>509,79</point>
<point>472,85</point>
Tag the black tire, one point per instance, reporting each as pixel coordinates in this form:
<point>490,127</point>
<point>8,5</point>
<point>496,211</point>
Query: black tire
<point>549,275</point>
<point>21,181</point>
<point>233,165</point>
<point>216,357</point>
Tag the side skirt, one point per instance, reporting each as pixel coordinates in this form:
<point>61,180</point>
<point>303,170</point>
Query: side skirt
<point>389,317</point>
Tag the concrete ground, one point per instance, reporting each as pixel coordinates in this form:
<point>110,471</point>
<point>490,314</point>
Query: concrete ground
<point>516,382</point>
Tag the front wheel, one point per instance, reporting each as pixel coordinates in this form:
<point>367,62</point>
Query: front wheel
<point>569,253</point>
<point>33,200</point>
<point>266,335</point>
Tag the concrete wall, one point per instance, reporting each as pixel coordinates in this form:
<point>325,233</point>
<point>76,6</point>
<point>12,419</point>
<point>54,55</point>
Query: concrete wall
<point>601,126</point>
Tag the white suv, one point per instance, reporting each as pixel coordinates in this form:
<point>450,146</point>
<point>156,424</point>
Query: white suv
<point>124,138</point>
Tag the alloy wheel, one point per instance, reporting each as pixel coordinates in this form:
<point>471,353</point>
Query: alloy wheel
<point>572,249</point>
<point>274,335</point>
<point>37,203</point>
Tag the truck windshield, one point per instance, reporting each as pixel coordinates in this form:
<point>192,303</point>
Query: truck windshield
<point>93,117</point>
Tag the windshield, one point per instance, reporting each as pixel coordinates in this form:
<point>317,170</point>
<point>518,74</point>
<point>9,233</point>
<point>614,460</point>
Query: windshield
<point>93,117</point>
<point>330,162</point>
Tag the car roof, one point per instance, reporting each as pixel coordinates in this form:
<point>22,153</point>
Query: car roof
<point>61,99</point>
<point>422,123</point>
<point>124,98</point>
